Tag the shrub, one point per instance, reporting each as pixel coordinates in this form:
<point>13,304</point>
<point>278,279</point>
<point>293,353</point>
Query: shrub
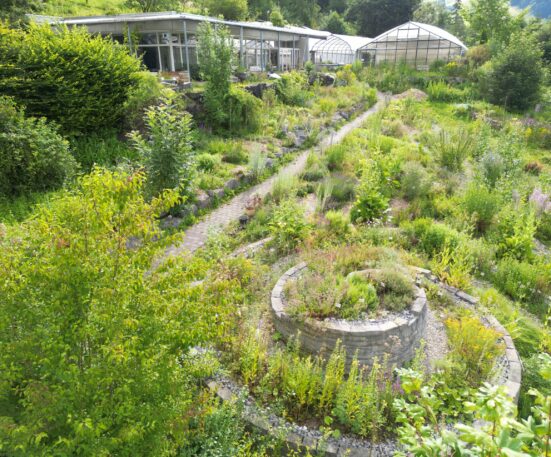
<point>335,156</point>
<point>530,284</point>
<point>80,81</point>
<point>146,92</point>
<point>257,164</point>
<point>475,347</point>
<point>285,186</point>
<point>315,169</point>
<point>291,89</point>
<point>452,150</point>
<point>244,111</point>
<point>441,92</point>
<point>370,202</point>
<point>104,149</point>
<point>431,237</point>
<point>515,232</point>
<point>288,226</point>
<point>343,189</point>
<point>415,181</point>
<point>482,205</point>
<point>338,223</point>
<point>234,153</point>
<point>492,167</point>
<point>515,75</point>
<point>167,151</point>
<point>207,162</point>
<point>33,156</point>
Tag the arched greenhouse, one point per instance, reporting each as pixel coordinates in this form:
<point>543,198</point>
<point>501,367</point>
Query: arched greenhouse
<point>413,43</point>
<point>337,49</point>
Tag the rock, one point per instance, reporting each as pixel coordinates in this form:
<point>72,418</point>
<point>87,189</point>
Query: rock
<point>269,163</point>
<point>274,76</point>
<point>217,193</point>
<point>243,219</point>
<point>232,184</point>
<point>326,79</point>
<point>258,89</point>
<point>203,200</point>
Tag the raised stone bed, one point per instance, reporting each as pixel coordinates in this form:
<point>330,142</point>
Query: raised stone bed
<point>511,363</point>
<point>396,338</point>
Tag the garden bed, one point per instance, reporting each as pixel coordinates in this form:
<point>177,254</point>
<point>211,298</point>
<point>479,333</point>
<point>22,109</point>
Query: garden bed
<point>395,337</point>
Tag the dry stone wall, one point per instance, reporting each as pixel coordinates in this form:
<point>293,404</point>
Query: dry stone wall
<point>395,338</point>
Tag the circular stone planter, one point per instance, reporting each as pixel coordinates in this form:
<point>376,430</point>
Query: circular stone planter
<point>396,338</point>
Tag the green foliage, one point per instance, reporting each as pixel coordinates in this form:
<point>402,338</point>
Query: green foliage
<point>244,111</point>
<point>80,81</point>
<point>146,92</point>
<point>288,226</point>
<point>431,237</point>
<point>335,23</point>
<point>33,156</point>
<point>284,187</point>
<point>338,223</point>
<point>415,181</point>
<point>475,347</point>
<point>292,89</point>
<point>497,431</point>
<point>14,11</point>
<point>167,151</point>
<point>530,284</point>
<point>489,20</point>
<point>99,363</point>
<point>373,17</point>
<point>482,205</point>
<point>515,232</point>
<point>452,149</point>
<point>315,169</point>
<point>148,6</point>
<point>208,162</point>
<point>515,76</point>
<point>441,92</point>
<point>370,202</point>
<point>216,56</point>
<point>232,10</point>
<point>102,149</point>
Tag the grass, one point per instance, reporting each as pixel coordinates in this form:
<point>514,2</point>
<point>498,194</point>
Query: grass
<point>84,7</point>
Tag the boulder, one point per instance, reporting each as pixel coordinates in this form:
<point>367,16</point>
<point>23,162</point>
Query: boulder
<point>258,89</point>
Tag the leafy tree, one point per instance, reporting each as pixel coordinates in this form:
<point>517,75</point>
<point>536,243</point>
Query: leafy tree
<point>302,12</point>
<point>515,75</point>
<point>261,8</point>
<point>14,11</point>
<point>148,6</point>
<point>335,23</point>
<point>229,9</point>
<point>167,150</point>
<point>544,38</point>
<point>216,56</point>
<point>33,156</point>
<point>373,17</point>
<point>67,75</point>
<point>93,350</point>
<point>433,12</point>
<point>276,17</point>
<point>488,20</point>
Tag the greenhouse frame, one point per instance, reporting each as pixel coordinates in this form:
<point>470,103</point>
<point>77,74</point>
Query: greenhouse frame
<point>414,43</point>
<point>337,50</point>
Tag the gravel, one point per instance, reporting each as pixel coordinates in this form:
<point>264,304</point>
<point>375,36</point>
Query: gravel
<point>436,338</point>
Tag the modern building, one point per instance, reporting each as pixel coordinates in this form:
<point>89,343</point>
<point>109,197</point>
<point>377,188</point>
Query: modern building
<point>414,43</point>
<point>337,50</point>
<point>167,41</point>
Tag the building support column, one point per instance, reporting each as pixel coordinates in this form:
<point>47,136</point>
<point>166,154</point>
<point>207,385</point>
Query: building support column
<point>262,66</point>
<point>242,56</point>
<point>187,50</point>
<point>278,52</point>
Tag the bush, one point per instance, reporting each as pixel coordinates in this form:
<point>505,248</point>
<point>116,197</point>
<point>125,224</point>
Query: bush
<point>475,347</point>
<point>370,202</point>
<point>492,167</point>
<point>337,223</point>
<point>33,156</point>
<point>207,162</point>
<point>284,186</point>
<point>288,226</point>
<point>452,149</point>
<point>415,181</point>
<point>334,156</point>
<point>530,284</point>
<point>482,205</point>
<point>439,91</point>
<point>431,237</point>
<point>234,153</point>
<point>80,81</point>
<point>515,75</point>
<point>101,149</point>
<point>315,169</point>
<point>291,89</point>
<point>146,92</point>
<point>244,111</point>
<point>167,151</point>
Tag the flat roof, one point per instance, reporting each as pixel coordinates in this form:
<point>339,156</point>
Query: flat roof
<point>173,15</point>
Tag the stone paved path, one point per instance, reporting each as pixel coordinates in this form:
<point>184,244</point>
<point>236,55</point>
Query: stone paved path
<point>196,235</point>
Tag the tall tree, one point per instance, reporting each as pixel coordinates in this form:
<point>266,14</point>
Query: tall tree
<point>302,12</point>
<point>335,23</point>
<point>147,6</point>
<point>488,20</point>
<point>433,12</point>
<point>232,10</point>
<point>373,17</point>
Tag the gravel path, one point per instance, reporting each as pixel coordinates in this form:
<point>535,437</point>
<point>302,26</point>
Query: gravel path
<point>197,235</point>
<point>436,338</point>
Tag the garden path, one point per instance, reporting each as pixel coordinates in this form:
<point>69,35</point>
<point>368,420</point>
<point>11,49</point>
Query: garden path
<point>196,235</point>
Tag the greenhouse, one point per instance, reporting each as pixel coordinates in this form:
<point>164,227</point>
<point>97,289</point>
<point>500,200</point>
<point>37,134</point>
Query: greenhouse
<point>337,49</point>
<point>413,43</point>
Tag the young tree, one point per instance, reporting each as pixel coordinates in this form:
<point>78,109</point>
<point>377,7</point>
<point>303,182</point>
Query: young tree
<point>216,57</point>
<point>373,17</point>
<point>93,350</point>
<point>515,75</point>
<point>167,151</point>
<point>276,17</point>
